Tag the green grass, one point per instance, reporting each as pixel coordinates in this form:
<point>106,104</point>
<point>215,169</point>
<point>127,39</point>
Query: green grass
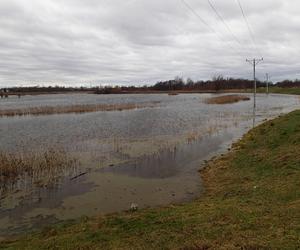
<point>251,201</point>
<point>277,90</point>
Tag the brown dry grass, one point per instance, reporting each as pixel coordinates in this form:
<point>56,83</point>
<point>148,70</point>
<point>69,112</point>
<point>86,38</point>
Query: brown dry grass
<point>225,99</point>
<point>48,110</point>
<point>42,167</point>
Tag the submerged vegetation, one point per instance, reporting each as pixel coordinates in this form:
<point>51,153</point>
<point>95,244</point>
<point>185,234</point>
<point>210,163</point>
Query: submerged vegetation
<point>84,108</point>
<point>227,99</point>
<point>40,168</point>
<point>251,201</point>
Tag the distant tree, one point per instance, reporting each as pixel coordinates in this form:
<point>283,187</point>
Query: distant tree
<point>219,82</point>
<point>189,83</point>
<point>289,84</point>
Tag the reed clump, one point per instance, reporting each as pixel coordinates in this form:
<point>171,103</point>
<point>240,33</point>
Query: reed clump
<point>226,99</point>
<point>39,167</point>
<point>173,93</point>
<point>82,108</point>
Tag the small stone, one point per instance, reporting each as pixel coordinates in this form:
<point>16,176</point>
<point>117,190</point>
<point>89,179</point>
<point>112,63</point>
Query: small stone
<point>134,207</point>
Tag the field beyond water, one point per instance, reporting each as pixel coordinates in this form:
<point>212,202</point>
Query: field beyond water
<point>251,201</point>
<point>273,90</point>
<point>277,90</point>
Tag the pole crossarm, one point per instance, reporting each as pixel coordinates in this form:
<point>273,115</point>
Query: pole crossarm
<point>254,61</point>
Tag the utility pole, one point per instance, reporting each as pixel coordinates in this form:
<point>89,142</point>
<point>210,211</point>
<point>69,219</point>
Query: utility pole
<point>267,77</point>
<point>254,62</point>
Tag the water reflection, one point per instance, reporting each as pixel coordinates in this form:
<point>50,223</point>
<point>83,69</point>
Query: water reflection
<point>168,162</point>
<point>254,117</point>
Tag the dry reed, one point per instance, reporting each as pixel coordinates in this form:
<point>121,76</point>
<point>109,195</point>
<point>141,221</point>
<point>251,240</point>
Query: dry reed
<point>42,168</point>
<point>227,99</point>
<point>48,110</point>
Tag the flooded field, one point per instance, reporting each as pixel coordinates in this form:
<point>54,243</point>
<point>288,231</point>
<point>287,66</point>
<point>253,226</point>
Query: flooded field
<point>148,156</point>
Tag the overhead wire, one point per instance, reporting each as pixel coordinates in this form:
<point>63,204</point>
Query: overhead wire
<point>188,6</point>
<point>223,21</point>
<point>242,46</point>
<point>199,17</point>
<point>249,28</point>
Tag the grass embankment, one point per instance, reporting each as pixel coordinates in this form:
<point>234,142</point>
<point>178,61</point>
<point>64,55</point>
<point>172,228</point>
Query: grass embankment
<point>48,110</point>
<point>278,90</point>
<point>225,99</point>
<point>251,201</point>
<point>290,91</point>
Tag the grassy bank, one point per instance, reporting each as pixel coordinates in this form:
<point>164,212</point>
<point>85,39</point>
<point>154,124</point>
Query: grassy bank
<point>278,90</point>
<point>251,201</point>
<point>290,91</point>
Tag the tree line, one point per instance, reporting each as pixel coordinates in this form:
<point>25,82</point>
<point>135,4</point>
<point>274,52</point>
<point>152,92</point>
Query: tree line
<point>289,84</point>
<point>179,84</point>
<point>217,83</point>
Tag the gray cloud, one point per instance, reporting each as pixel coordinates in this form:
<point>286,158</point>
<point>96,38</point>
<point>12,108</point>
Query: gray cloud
<point>73,42</point>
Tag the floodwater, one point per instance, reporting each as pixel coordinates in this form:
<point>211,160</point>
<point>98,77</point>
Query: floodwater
<point>148,156</point>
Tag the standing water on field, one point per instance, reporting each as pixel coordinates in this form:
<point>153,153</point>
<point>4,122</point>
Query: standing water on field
<point>148,156</point>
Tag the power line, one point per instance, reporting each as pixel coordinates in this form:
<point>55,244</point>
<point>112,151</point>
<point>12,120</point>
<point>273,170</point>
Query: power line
<point>206,24</point>
<point>224,22</point>
<point>248,26</point>
<point>197,15</point>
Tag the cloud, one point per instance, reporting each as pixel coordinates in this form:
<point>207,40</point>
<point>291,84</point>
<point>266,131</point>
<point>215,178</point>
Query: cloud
<point>73,42</point>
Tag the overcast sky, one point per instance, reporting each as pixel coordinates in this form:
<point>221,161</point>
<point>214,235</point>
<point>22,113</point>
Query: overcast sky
<point>72,42</point>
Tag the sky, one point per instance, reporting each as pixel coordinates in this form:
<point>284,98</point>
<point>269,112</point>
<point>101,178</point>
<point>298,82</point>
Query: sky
<point>137,42</point>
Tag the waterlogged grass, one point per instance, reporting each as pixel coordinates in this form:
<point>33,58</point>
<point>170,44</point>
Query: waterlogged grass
<point>251,201</point>
<point>48,110</point>
<point>41,167</point>
<point>227,99</point>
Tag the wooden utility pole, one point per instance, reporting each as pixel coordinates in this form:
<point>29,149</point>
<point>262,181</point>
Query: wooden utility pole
<point>267,77</point>
<point>254,62</point>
